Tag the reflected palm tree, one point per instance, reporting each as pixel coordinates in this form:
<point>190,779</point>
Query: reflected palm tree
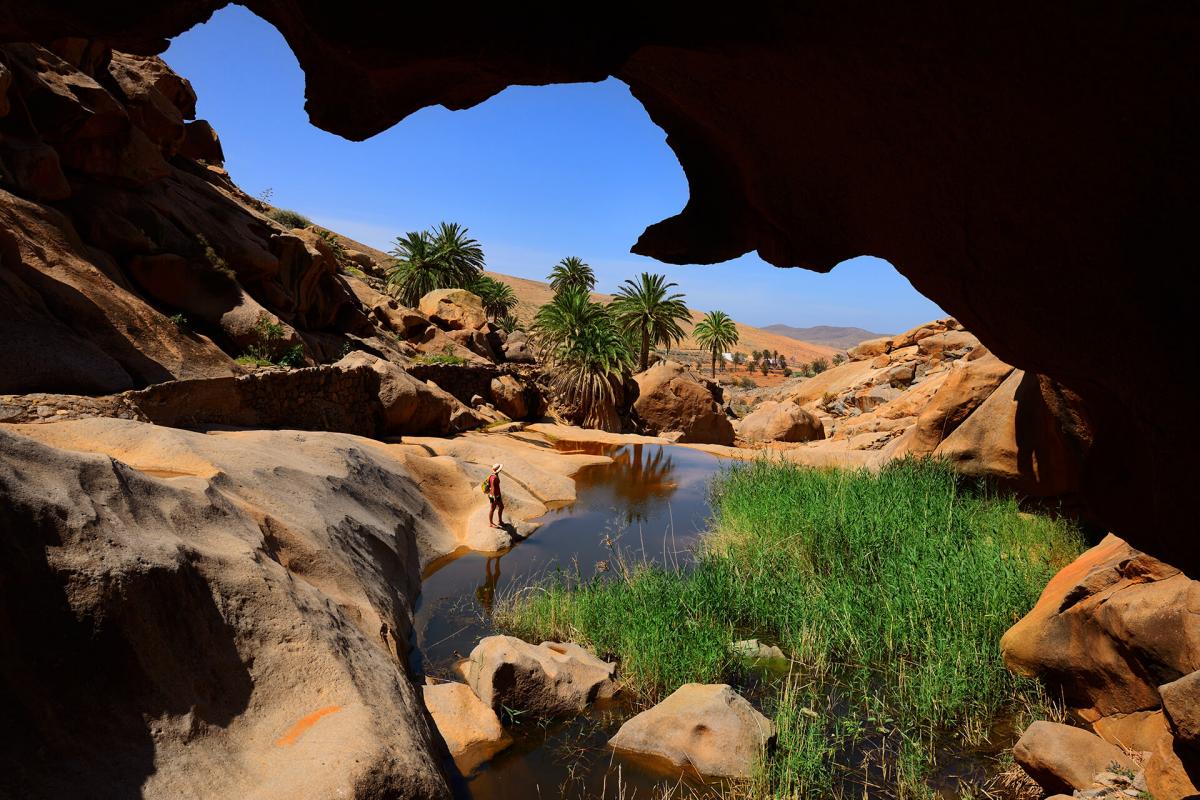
<point>642,475</point>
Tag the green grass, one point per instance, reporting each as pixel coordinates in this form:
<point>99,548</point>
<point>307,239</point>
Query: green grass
<point>889,591</point>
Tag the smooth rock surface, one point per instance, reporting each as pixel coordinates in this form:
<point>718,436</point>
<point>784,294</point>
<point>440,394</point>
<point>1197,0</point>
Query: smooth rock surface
<point>1062,758</point>
<point>708,726</point>
<point>454,309</point>
<point>780,422</point>
<point>549,679</point>
<point>471,730</point>
<point>670,398</point>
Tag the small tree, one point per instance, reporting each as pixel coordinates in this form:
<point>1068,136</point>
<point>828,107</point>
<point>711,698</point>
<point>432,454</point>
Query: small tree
<point>819,365</point>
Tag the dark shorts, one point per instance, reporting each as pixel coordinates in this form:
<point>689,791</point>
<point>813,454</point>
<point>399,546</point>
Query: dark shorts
<point>497,501</point>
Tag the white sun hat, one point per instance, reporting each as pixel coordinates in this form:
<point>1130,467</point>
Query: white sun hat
<point>497,467</point>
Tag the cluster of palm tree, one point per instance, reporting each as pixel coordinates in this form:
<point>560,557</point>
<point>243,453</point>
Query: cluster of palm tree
<point>445,257</point>
<point>592,347</point>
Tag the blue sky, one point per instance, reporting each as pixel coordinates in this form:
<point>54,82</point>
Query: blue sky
<point>536,173</point>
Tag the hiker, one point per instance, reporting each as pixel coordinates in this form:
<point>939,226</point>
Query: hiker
<point>493,493</point>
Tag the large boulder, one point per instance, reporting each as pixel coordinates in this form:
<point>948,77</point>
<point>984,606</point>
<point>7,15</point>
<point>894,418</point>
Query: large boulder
<point>1108,630</point>
<point>549,679</point>
<point>517,349</point>
<point>773,421</point>
<point>670,398</point>
<point>198,615</point>
<point>471,730</point>
<point>510,397</point>
<point>1028,434</point>
<point>1063,758</point>
<point>1173,771</point>
<point>964,389</point>
<point>707,726</point>
<point>410,406</point>
<point>454,309</point>
<point>1181,701</point>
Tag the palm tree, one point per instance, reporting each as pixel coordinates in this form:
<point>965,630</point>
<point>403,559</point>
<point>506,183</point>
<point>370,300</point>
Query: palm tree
<point>715,333</point>
<point>460,255</point>
<point>444,258</point>
<point>497,296</point>
<point>644,309</point>
<point>588,355</point>
<point>572,273</point>
<point>415,269</point>
<point>588,371</point>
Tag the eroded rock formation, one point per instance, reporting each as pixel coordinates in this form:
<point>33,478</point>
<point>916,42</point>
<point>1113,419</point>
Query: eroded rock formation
<point>1023,166</point>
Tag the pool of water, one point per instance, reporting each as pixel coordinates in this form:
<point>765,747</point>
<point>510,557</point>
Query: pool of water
<point>650,503</point>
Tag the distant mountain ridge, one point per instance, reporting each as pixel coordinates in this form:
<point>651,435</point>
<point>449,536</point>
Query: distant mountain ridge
<point>837,337</point>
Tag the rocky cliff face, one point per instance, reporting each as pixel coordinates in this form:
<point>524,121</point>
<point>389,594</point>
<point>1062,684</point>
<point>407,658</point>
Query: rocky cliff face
<point>128,255</point>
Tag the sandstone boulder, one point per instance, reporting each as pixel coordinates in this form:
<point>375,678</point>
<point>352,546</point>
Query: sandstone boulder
<point>670,398</point>
<point>1108,629</point>
<point>410,406</point>
<point>549,679</point>
<point>471,730</point>
<point>454,309</point>
<point>1138,731</point>
<point>517,349</point>
<point>227,591</point>
<point>967,386</point>
<point>1027,434</point>
<point>477,342</point>
<point>1181,701</point>
<point>1173,771</point>
<point>201,143</point>
<point>708,726</point>
<point>156,99</point>
<point>510,397</point>
<point>939,345</point>
<point>1063,758</point>
<point>402,321</point>
<point>872,397</point>
<point>870,349</point>
<point>772,421</point>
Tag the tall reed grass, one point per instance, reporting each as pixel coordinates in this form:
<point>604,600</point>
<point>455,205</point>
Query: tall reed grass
<point>889,591</point>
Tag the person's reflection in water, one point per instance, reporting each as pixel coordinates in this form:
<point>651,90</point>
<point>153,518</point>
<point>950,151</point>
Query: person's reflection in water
<point>486,593</point>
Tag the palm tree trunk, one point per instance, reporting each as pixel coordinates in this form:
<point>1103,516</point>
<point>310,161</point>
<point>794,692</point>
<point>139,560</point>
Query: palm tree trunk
<point>714,364</point>
<point>645,347</point>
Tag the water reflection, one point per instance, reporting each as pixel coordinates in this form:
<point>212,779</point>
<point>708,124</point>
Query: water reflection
<point>639,479</point>
<point>650,502</point>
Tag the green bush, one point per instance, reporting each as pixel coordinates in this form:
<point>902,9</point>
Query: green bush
<point>447,356</point>
<point>288,218</point>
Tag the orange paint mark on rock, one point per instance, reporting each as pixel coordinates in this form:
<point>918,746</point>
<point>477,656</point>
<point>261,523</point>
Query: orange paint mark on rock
<point>304,724</point>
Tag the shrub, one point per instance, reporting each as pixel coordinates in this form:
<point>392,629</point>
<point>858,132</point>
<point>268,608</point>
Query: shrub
<point>839,358</point>
<point>447,356</point>
<point>213,258</point>
<point>288,218</point>
<point>818,366</point>
<point>180,322</point>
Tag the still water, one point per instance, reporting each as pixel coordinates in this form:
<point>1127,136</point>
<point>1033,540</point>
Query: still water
<point>651,502</point>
